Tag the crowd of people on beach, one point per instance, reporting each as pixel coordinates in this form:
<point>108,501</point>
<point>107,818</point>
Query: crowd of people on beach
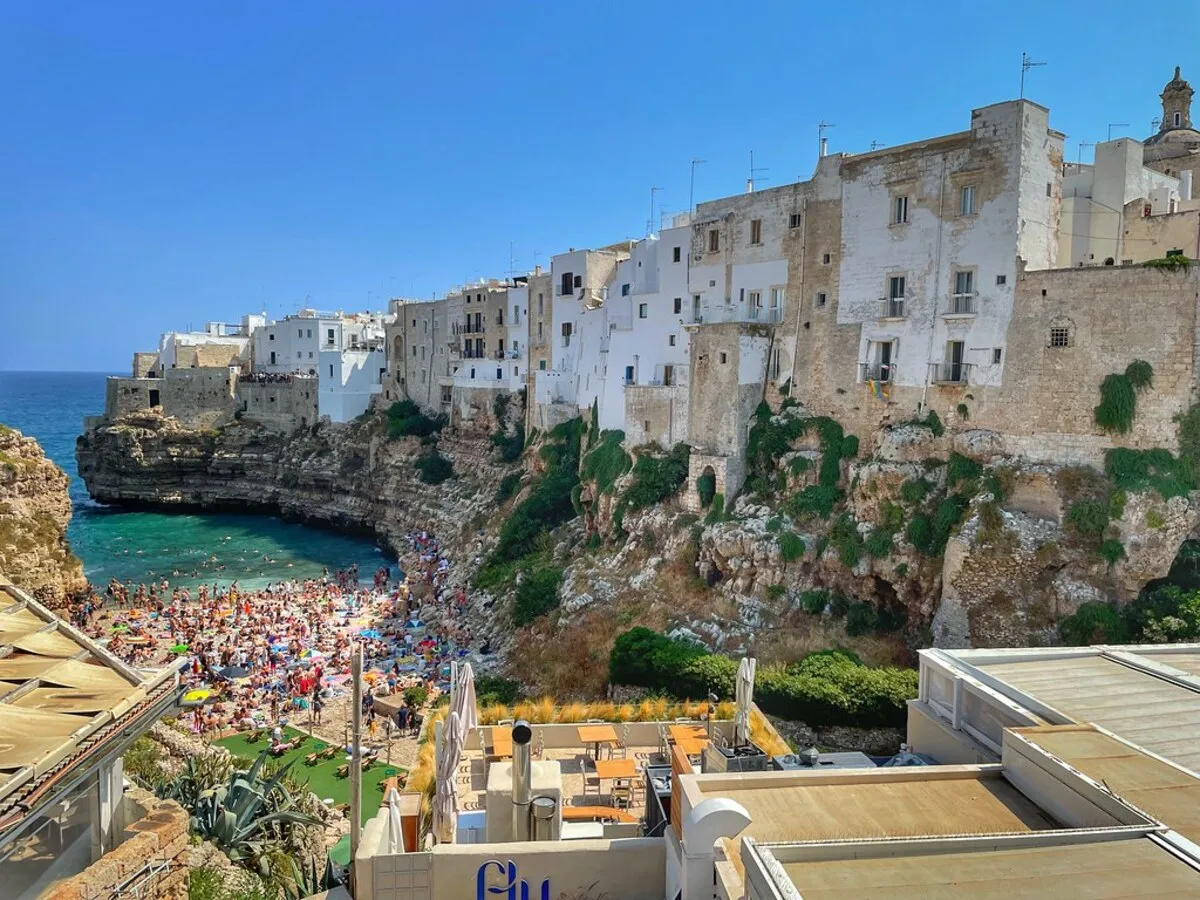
<point>258,659</point>
<point>274,377</point>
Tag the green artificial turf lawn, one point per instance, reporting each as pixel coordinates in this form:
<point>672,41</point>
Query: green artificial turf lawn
<point>322,778</point>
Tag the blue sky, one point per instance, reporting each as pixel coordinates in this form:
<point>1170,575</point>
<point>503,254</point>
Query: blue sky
<point>166,164</point>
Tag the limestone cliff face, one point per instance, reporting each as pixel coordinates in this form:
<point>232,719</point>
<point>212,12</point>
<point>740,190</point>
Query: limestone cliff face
<point>34,513</point>
<point>349,476</point>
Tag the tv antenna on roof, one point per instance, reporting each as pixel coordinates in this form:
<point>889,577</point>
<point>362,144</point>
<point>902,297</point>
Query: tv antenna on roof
<point>1112,125</point>
<point>1079,154</point>
<point>1027,63</point>
<point>654,189</point>
<point>822,141</point>
<point>692,187</point>
<point>754,174</point>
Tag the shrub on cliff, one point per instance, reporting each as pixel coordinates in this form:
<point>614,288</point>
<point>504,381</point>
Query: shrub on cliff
<point>405,419</point>
<point>827,688</point>
<point>1094,623</point>
<point>433,468</point>
<point>606,461</point>
<point>537,594</point>
<point>655,478</point>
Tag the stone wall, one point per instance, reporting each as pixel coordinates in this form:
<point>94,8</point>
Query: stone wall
<point>279,406</point>
<point>125,395</point>
<point>657,413</point>
<point>142,363</point>
<point>200,397</point>
<point>156,843</point>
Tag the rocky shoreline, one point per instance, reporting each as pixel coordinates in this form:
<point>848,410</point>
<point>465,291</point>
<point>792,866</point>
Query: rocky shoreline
<point>35,510</point>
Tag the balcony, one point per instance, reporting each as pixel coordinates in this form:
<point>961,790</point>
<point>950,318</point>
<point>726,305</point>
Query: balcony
<point>892,308</point>
<point>962,304</point>
<point>769,316</point>
<point>883,372</point>
<point>950,373</point>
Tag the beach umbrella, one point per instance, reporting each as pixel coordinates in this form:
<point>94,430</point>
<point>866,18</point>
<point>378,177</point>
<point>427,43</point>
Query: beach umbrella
<point>445,798</point>
<point>180,648</point>
<point>464,701</point>
<point>197,696</point>
<point>312,654</point>
<point>394,839</point>
<point>744,693</point>
<point>369,633</point>
<point>232,672</point>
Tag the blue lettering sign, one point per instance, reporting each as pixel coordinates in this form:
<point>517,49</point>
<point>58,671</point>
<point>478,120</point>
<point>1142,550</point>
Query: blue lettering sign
<point>509,889</point>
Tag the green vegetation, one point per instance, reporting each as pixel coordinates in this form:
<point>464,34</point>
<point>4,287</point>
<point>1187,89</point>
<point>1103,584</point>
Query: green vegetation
<point>964,412</point>
<point>1118,397</point>
<point>931,421</point>
<point>791,546</point>
<point>1112,550</point>
<point>537,594</point>
<point>844,538</point>
<point>1094,623</point>
<point>962,469</point>
<point>861,619</point>
<point>416,696</point>
<point>143,762</point>
<point>606,461</point>
<point>716,512</point>
<point>433,468</point>
<point>823,689</point>
<point>1088,518</point>
<point>775,592</point>
<point>1176,263</point>
<point>508,486</point>
<point>655,478</point>
<point>491,689</point>
<point>1158,470</point>
<point>914,490</point>
<point>930,529</point>
<point>706,487</point>
<point>814,602</point>
<point>774,524</point>
<point>405,419</point>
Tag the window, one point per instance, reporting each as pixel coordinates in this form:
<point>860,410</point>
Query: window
<point>678,305</point>
<point>677,254</point>
<point>422,376</point>
<point>724,358</point>
<point>414,349</point>
<point>414,323</point>
<point>714,240</point>
<point>541,365</point>
<point>645,424</point>
<point>776,311</point>
<point>899,210</point>
<point>625,290</point>
<point>643,310</point>
<point>1060,336</point>
<point>668,376</point>
<point>329,336</point>
<point>755,304</point>
<point>775,365</point>
<point>516,371</point>
<point>896,287</point>
<point>472,373</point>
<point>299,355</point>
<point>996,354</point>
<point>1177,119</point>
<point>564,287</point>
<point>578,281</point>
<point>964,282</point>
<point>966,201</point>
<point>825,257</point>
<point>309,330</point>
<point>794,220</point>
<point>331,370</point>
<point>446,394</point>
<point>300,332</point>
<point>1001,279</point>
<point>499,373</point>
<point>756,231</point>
<point>629,374</point>
<point>310,354</point>
<point>670,340</point>
<point>541,304</point>
<point>539,331</point>
<point>271,336</point>
<point>1049,191</point>
<point>819,300</point>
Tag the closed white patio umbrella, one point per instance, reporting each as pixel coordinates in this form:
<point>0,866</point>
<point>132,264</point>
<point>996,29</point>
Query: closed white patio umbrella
<point>445,800</point>
<point>463,702</point>
<point>744,692</point>
<point>394,838</point>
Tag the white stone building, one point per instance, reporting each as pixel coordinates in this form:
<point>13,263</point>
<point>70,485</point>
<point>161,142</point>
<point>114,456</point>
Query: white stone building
<point>177,349</point>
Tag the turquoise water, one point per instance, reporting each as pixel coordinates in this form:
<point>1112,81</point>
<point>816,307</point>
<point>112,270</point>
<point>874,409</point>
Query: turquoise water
<point>185,549</point>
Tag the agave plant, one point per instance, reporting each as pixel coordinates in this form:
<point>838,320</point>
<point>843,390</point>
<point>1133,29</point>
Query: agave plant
<point>248,815</point>
<point>199,774</point>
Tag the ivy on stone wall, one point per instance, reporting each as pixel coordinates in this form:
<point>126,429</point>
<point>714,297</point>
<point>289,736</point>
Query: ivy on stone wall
<point>1118,397</point>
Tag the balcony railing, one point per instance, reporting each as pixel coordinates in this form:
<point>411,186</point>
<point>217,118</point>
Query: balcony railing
<point>962,304</point>
<point>950,373</point>
<point>769,315</point>
<point>876,371</point>
<point>892,308</point>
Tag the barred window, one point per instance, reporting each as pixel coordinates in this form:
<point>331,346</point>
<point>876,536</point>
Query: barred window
<point>1060,337</point>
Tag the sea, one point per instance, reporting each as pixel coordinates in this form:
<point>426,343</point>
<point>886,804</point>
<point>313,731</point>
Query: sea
<point>184,548</point>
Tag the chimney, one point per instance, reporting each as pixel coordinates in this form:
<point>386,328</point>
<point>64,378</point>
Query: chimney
<point>522,776</point>
<point>1185,184</point>
<point>824,146</point>
<point>537,270</point>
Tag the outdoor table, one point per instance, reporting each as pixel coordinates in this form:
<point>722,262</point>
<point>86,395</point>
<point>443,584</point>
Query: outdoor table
<point>691,739</point>
<point>616,768</point>
<point>597,734</point>
<point>502,742</point>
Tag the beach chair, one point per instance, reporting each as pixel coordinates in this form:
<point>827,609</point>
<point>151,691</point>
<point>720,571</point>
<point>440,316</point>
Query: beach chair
<point>343,771</point>
<point>311,759</point>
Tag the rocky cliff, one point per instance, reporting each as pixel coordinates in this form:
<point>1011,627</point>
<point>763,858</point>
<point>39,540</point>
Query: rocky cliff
<point>927,536</point>
<point>34,513</point>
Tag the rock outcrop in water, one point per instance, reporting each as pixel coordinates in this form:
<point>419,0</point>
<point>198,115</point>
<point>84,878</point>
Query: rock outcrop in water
<point>35,510</point>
